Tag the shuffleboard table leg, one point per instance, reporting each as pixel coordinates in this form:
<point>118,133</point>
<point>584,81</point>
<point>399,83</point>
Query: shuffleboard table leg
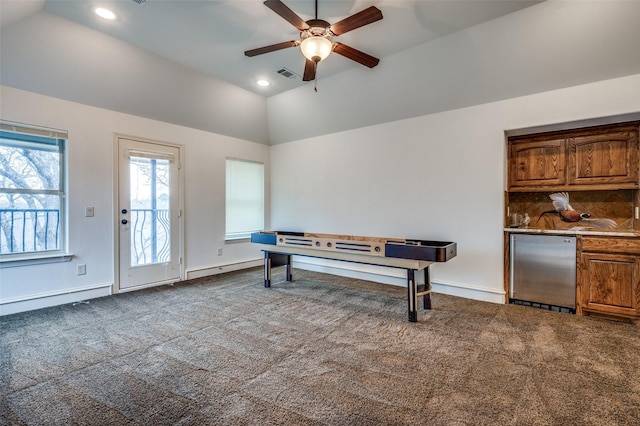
<point>426,299</point>
<point>288,276</point>
<point>267,270</point>
<point>411,295</point>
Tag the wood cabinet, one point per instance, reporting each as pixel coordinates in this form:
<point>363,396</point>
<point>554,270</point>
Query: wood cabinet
<point>609,276</point>
<point>605,157</point>
<point>594,164</point>
<point>534,164</point>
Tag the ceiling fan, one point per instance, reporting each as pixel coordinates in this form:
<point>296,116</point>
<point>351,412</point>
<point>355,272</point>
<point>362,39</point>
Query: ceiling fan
<point>316,34</point>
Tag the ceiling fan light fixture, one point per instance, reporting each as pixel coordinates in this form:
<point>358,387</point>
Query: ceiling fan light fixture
<point>316,48</point>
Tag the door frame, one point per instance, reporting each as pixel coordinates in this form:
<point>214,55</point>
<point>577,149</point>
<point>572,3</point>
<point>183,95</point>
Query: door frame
<point>116,214</point>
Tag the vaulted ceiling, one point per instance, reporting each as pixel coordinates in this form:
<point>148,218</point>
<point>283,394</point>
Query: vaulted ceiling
<point>211,36</point>
<point>183,62</point>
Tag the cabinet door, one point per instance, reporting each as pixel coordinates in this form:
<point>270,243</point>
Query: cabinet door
<point>607,159</point>
<point>610,284</point>
<point>539,163</point>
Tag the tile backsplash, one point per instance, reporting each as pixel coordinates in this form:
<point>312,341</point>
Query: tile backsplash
<point>618,205</point>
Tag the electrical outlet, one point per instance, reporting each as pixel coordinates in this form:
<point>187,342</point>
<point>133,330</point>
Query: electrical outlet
<point>219,251</point>
<point>88,211</point>
<point>82,269</point>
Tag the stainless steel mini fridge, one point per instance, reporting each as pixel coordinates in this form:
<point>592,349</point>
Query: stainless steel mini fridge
<point>543,270</point>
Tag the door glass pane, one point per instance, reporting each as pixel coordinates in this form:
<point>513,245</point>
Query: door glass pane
<point>150,226</point>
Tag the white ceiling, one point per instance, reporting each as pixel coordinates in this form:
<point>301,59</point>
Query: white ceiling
<point>211,36</point>
<point>185,64</point>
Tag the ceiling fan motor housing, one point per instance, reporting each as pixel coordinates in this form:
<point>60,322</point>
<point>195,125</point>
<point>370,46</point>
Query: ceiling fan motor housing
<point>318,28</point>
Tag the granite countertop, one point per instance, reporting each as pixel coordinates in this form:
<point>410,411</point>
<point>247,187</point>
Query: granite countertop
<point>576,230</point>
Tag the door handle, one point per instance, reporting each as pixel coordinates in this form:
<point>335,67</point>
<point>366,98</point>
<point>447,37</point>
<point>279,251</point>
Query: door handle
<point>124,221</point>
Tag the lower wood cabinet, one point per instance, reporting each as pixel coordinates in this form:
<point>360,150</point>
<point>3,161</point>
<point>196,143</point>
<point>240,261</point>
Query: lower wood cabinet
<point>608,276</point>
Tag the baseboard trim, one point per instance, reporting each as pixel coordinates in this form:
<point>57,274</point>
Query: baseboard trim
<point>484,294</point>
<point>221,269</point>
<point>397,277</point>
<point>54,298</point>
<point>144,286</point>
<point>381,274</point>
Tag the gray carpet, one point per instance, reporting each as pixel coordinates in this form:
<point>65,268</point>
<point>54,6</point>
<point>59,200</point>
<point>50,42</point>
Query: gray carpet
<point>322,350</point>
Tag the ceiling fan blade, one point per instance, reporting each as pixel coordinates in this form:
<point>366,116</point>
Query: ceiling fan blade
<point>287,14</point>
<point>364,17</point>
<point>309,70</point>
<point>355,55</point>
<point>272,48</point>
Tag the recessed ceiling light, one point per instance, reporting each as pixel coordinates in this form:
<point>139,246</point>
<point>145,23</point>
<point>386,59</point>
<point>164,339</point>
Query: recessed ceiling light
<point>263,83</point>
<point>105,13</point>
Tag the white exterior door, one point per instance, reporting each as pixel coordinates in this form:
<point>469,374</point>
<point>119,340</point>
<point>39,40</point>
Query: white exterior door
<point>148,214</point>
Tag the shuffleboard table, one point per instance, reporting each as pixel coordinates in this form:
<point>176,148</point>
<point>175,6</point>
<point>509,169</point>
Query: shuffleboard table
<point>413,256</point>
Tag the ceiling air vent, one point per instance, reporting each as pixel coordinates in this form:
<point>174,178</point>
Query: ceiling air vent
<point>288,73</point>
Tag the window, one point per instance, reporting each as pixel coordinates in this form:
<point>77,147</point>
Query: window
<point>32,191</point>
<point>244,198</point>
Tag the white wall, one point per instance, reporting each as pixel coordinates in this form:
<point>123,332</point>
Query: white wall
<point>548,46</point>
<point>91,176</point>
<point>50,55</point>
<point>439,176</point>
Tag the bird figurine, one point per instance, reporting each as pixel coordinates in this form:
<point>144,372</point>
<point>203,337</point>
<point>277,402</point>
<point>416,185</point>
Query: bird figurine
<point>569,214</point>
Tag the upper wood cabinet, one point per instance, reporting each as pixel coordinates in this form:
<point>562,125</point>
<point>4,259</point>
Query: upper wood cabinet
<point>611,158</point>
<point>538,163</point>
<point>604,157</point>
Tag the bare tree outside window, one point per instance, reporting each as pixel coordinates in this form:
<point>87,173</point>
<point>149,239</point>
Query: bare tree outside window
<point>150,221</point>
<point>31,193</point>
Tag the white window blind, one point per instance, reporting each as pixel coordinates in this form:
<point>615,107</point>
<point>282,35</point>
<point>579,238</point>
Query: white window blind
<point>244,198</point>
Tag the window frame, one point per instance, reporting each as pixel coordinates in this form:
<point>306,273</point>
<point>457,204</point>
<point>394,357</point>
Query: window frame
<point>24,134</point>
<point>244,235</point>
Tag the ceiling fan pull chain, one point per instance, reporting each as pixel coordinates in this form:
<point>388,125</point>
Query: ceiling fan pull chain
<point>315,77</point>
